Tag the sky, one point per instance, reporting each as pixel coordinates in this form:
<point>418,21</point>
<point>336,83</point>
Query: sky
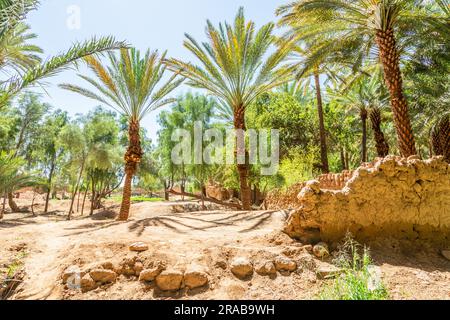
<point>154,24</point>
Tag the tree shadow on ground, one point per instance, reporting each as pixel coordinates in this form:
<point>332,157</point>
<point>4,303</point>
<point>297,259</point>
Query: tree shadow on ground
<point>194,222</point>
<point>91,227</point>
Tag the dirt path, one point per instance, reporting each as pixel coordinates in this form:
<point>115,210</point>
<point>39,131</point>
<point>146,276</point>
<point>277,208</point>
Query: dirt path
<point>207,238</point>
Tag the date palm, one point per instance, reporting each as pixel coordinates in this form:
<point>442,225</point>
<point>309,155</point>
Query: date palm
<point>17,55</point>
<point>366,97</point>
<point>128,84</point>
<point>235,68</point>
<point>388,27</point>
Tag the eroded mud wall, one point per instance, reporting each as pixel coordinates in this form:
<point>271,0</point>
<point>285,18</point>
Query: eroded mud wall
<point>394,197</point>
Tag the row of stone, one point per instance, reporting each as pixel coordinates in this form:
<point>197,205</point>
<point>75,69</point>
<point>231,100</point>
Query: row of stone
<point>167,280</point>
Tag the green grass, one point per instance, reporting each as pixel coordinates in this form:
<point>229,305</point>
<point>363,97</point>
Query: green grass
<point>138,199</point>
<point>358,280</point>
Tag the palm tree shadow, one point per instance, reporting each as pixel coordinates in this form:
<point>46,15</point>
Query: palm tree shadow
<point>175,222</point>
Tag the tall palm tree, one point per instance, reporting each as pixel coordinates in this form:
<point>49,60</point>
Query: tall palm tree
<point>17,55</point>
<point>15,50</point>
<point>128,85</point>
<point>343,27</point>
<point>366,97</point>
<point>235,68</point>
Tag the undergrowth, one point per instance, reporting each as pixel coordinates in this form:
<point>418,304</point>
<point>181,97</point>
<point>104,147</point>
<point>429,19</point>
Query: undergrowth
<point>359,278</point>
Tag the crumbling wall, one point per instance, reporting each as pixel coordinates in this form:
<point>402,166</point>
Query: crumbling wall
<point>287,199</point>
<point>402,198</point>
<point>217,191</point>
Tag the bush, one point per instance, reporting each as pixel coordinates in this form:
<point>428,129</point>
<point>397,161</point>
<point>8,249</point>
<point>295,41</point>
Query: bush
<point>359,279</point>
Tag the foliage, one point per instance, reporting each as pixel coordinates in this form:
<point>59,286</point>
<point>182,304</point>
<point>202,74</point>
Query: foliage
<point>358,280</point>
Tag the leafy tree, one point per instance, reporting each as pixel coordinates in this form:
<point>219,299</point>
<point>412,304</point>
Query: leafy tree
<point>235,68</point>
<point>128,85</point>
<point>341,27</point>
<point>17,54</point>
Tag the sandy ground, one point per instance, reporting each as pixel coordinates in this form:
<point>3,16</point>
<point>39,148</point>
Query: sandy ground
<point>48,244</point>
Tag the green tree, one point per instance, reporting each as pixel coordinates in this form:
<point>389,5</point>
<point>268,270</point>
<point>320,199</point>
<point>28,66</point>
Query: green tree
<point>341,27</point>
<point>128,85</point>
<point>18,55</point>
<point>235,68</point>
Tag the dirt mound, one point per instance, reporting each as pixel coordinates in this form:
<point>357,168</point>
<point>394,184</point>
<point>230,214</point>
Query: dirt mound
<point>397,197</point>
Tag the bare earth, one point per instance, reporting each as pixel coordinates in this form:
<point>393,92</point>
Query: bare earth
<point>48,244</point>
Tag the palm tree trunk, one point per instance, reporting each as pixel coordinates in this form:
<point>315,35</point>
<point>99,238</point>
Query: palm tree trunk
<point>343,164</point>
<point>2,212</point>
<point>323,137</point>
<point>363,115</point>
<point>76,190</point>
<point>132,159</point>
<point>380,141</point>
<point>11,203</point>
<point>49,182</point>
<point>393,77</point>
<point>84,198</point>
<point>444,137</point>
<point>243,168</point>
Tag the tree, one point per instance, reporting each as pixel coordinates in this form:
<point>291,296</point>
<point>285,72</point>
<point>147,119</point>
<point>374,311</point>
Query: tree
<point>50,149</point>
<point>234,67</point>
<point>12,178</point>
<point>340,27</point>
<point>366,97</point>
<point>128,85</point>
<point>18,55</point>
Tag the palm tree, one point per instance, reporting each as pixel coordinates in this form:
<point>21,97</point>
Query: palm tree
<point>128,85</point>
<point>18,55</point>
<point>15,50</point>
<point>343,27</point>
<point>13,178</point>
<point>366,96</point>
<point>235,69</point>
<point>381,144</point>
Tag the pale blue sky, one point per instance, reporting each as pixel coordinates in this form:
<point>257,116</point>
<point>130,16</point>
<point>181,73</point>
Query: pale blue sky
<point>155,24</point>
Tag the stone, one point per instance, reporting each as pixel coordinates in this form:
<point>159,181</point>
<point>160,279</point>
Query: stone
<point>70,272</point>
<point>170,280</point>
<point>446,254</point>
<point>285,264</point>
<point>107,265</point>
<point>266,268</point>
<point>195,277</point>
<point>327,271</point>
<point>103,275</point>
<point>222,264</point>
<point>88,284</point>
<point>321,250</point>
<point>138,247</point>
<point>138,267</point>
<point>150,274</point>
<point>241,267</point>
<point>306,261</point>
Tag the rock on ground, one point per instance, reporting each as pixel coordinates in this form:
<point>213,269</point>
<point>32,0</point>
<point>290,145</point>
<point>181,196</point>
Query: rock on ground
<point>285,264</point>
<point>195,277</point>
<point>266,268</point>
<point>241,267</point>
<point>321,250</point>
<point>150,274</point>
<point>87,283</point>
<point>71,272</point>
<point>327,271</point>
<point>139,247</point>
<point>170,280</point>
<point>103,275</point>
